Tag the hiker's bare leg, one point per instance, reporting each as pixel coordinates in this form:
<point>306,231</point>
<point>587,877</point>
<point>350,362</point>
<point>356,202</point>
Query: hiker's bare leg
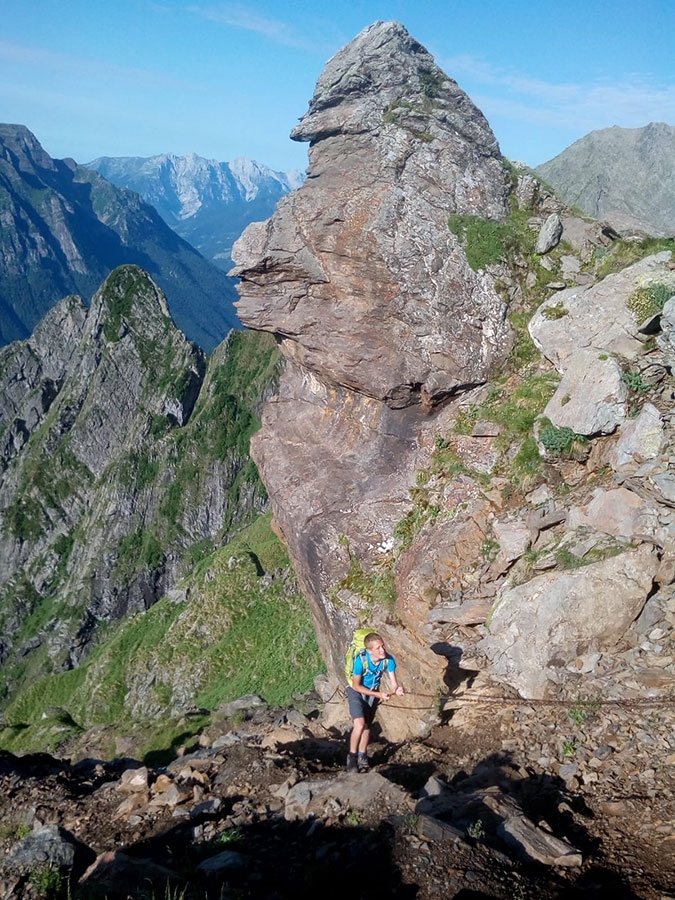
<point>364,740</point>
<point>356,735</point>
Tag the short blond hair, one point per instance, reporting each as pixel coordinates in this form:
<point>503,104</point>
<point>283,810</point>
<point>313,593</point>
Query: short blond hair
<point>371,638</point>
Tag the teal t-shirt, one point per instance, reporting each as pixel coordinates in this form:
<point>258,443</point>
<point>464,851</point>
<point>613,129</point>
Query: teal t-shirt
<point>373,674</point>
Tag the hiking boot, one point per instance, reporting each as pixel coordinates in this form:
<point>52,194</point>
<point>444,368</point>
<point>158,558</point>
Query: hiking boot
<point>352,763</point>
<point>362,763</point>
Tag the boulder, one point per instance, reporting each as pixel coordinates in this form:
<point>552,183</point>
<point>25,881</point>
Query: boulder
<point>50,846</point>
<point>618,512</point>
<point>547,622</point>
<point>638,439</point>
<point>595,315</point>
<point>549,234</point>
<point>591,396</point>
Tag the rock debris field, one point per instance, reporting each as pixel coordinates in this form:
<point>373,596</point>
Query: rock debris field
<point>506,799</point>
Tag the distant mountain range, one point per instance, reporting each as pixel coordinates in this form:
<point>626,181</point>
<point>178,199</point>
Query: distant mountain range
<point>208,203</point>
<point>624,174</point>
<point>64,228</point>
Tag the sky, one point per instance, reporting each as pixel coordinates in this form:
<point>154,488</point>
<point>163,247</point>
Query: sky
<point>94,78</point>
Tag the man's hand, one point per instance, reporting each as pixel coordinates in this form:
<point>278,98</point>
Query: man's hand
<point>383,695</point>
<point>399,691</point>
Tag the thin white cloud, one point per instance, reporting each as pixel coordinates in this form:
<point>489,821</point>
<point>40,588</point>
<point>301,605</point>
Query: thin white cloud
<point>36,58</point>
<point>238,15</point>
<point>631,101</point>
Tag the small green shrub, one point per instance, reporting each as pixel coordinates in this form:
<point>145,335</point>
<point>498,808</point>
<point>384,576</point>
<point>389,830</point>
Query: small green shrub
<point>634,382</point>
<point>557,311</point>
<point>569,748</point>
<point>47,880</point>
<point>374,588</point>
<point>560,441</point>
<point>582,709</point>
<point>527,461</point>
<point>476,830</point>
<point>568,560</point>
<point>432,83</point>
<point>228,837</point>
<point>649,299</point>
<point>483,241</point>
<point>489,549</point>
<point>624,253</point>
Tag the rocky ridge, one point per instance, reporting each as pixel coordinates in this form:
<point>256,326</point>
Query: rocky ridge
<point>119,450</point>
<point>621,174</point>
<point>363,248</point>
<point>439,501</point>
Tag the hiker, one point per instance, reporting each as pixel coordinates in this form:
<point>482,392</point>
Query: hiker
<point>364,696</point>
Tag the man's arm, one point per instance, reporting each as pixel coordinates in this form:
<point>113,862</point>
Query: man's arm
<point>398,689</point>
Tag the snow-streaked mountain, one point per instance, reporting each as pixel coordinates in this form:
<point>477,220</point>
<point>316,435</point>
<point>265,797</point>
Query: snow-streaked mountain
<point>208,203</point>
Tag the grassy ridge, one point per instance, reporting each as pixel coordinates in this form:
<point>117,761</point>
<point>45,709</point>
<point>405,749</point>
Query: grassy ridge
<point>243,627</point>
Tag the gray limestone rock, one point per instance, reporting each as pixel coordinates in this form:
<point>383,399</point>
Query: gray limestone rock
<point>618,512</point>
<point>595,316</point>
<point>666,340</point>
<point>550,234</point>
<point>47,846</point>
<point>545,623</point>
<point>639,439</point>
<point>591,396</point>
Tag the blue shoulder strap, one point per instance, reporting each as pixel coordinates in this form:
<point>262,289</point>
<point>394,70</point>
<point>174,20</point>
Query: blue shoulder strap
<point>364,660</point>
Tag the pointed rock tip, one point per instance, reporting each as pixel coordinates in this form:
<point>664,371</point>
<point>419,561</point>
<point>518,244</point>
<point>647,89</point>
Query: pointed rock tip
<point>382,65</point>
<point>127,288</point>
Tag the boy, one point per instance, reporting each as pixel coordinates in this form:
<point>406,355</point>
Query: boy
<point>364,696</point>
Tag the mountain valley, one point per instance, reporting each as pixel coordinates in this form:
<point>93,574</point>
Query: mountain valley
<point>65,228</point>
<point>207,203</point>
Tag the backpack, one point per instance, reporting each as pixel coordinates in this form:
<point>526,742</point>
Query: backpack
<point>356,648</point>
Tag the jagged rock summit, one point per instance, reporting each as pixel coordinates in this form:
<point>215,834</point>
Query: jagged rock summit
<point>378,313</point>
<point>113,463</point>
<point>363,248</point>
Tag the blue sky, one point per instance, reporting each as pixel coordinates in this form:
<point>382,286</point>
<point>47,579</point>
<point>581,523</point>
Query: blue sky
<point>139,77</point>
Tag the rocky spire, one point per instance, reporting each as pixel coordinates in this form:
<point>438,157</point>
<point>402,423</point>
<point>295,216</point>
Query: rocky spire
<point>378,313</point>
<point>357,270</point>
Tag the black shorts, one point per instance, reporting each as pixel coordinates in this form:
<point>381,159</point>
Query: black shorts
<point>361,706</point>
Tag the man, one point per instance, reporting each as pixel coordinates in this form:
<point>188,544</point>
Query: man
<point>364,696</point>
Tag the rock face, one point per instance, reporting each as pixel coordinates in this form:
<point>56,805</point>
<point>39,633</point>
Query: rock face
<point>364,248</point>
<point>64,228</point>
<point>207,203</point>
<point>622,174</point>
<point>377,311</point>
